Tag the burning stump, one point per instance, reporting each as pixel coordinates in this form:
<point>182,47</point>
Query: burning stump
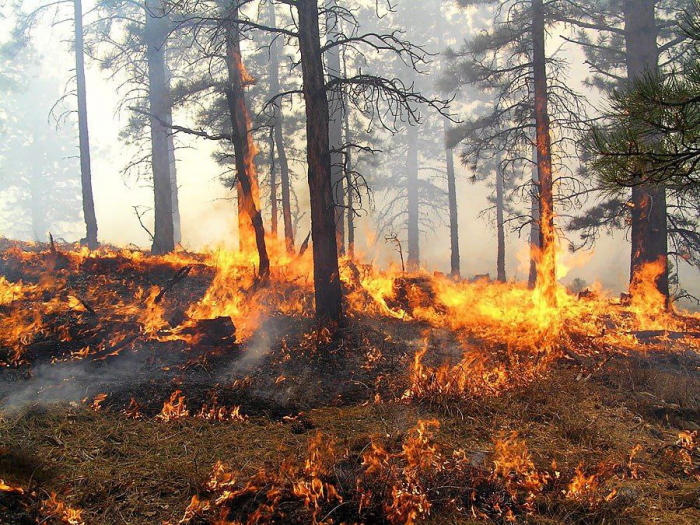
<point>625,299</point>
<point>219,330</point>
<point>587,294</point>
<point>413,292</point>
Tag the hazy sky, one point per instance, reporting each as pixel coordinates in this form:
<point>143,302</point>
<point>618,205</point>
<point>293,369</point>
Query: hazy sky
<point>208,216</point>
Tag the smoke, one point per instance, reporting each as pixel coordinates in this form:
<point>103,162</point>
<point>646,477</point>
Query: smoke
<point>256,349</point>
<point>69,381</point>
<point>134,373</point>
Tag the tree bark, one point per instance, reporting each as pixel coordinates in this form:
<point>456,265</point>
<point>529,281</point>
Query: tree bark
<point>500,227</point>
<point>156,31</point>
<point>250,217</point>
<point>335,106</point>
<point>83,135</point>
<point>413,225</point>
<point>449,160</point>
<point>274,211</point>
<point>452,201</point>
<point>534,223</point>
<point>327,288</point>
<point>348,174</point>
<point>546,272</point>
<point>279,137</point>
<point>648,213</point>
<point>177,226</point>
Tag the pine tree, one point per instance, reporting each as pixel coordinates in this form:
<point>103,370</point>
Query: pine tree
<point>626,40</point>
<point>130,41</point>
<point>417,180</point>
<point>652,140</point>
<point>26,22</point>
<point>530,96</point>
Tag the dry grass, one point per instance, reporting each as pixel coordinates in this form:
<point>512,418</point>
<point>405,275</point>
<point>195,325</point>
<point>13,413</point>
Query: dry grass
<point>121,470</point>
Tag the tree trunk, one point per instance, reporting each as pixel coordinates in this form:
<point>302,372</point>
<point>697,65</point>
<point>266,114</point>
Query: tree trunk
<point>177,225</point>
<point>177,228</point>
<point>449,159</point>
<point>279,137</point>
<point>452,200</point>
<point>327,286</point>
<point>534,223</point>
<point>83,135</point>
<point>413,258</point>
<point>500,227</point>
<point>274,212</point>
<point>335,107</point>
<point>156,31</point>
<point>649,228</point>
<point>244,149</point>
<point>285,185</point>
<point>348,175</point>
<point>546,271</point>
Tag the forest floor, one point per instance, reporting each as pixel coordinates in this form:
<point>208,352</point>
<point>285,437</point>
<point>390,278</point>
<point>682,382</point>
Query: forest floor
<point>292,425</point>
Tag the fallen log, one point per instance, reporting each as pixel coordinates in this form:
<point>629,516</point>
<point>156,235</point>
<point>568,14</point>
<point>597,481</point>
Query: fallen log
<point>674,335</point>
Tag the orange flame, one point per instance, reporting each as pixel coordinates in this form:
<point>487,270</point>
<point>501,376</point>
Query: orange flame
<point>53,508</point>
<point>174,408</point>
<point>4,487</point>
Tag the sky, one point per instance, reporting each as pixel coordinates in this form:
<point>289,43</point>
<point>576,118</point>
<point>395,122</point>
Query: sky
<point>208,213</point>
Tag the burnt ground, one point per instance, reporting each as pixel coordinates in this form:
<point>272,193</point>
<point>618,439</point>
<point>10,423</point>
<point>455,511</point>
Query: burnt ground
<point>292,381</point>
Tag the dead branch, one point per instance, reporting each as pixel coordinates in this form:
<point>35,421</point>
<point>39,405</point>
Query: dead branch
<point>179,276</point>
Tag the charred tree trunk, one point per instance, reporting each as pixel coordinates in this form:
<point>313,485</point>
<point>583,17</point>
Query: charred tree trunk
<point>158,97</point>
<point>649,227</point>
<point>546,272</point>
<point>413,258</point>
<point>452,201</point>
<point>500,226</point>
<point>279,137</point>
<point>248,199</point>
<point>534,223</point>
<point>83,135</point>
<point>327,289</point>
<point>247,187</point>
<point>335,107</point>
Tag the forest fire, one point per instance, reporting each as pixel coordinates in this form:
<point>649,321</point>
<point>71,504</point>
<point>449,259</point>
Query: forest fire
<point>234,344</point>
